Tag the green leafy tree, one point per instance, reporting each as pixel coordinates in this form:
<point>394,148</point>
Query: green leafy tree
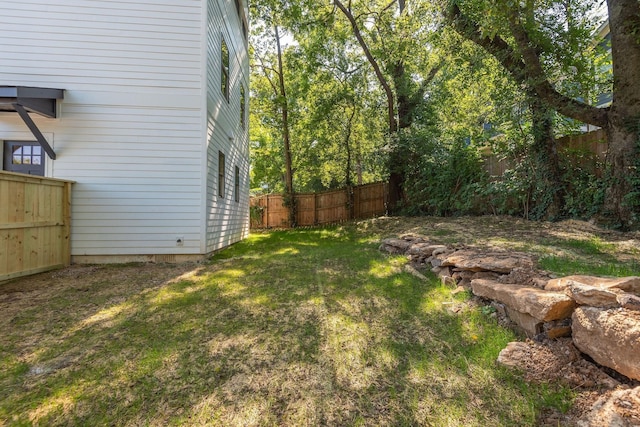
<point>271,20</point>
<point>395,39</point>
<point>542,44</point>
<point>342,123</point>
<point>331,130</point>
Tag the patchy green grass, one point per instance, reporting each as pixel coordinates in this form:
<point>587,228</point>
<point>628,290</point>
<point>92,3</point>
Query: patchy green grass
<point>567,265</point>
<point>310,327</point>
<point>589,255</point>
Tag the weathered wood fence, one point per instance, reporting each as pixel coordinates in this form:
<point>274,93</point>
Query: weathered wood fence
<point>328,207</point>
<point>594,142</point>
<point>35,221</point>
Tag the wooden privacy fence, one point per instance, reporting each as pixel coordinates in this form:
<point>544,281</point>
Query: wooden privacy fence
<point>35,221</point>
<point>594,142</point>
<point>321,208</point>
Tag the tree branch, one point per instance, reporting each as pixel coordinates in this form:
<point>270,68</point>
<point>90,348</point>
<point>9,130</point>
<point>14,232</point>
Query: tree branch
<point>525,68</point>
<point>264,67</point>
<point>376,68</point>
<point>538,80</point>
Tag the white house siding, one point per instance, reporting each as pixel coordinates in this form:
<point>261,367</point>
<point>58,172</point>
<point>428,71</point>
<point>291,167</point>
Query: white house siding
<point>227,220</point>
<point>131,128</point>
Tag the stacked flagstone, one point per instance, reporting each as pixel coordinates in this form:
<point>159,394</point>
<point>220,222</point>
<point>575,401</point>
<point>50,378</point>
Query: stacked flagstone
<point>601,314</point>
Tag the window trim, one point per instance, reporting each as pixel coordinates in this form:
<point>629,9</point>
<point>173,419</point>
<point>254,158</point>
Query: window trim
<point>9,154</point>
<point>243,107</point>
<point>221,174</point>
<point>236,184</point>
<point>241,16</point>
<point>225,81</point>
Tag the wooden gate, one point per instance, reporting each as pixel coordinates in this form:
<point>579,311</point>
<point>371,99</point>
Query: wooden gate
<point>35,221</point>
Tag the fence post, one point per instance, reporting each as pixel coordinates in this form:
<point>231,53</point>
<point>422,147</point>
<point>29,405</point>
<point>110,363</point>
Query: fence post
<point>66,218</point>
<point>356,202</point>
<point>266,210</point>
<point>315,208</point>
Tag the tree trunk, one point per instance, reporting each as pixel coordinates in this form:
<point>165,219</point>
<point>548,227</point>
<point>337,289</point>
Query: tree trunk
<point>624,116</point>
<point>396,177</point>
<point>622,159</point>
<point>284,108</point>
<point>349,184</point>
<point>403,95</point>
<point>397,158</point>
<point>551,191</point>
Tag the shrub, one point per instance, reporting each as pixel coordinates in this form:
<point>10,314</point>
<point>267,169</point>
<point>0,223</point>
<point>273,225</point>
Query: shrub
<point>441,179</point>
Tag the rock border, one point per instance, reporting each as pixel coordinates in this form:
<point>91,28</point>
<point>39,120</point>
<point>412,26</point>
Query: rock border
<point>602,315</point>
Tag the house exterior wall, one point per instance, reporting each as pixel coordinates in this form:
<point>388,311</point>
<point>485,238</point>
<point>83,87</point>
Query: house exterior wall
<point>132,129</point>
<point>227,219</point>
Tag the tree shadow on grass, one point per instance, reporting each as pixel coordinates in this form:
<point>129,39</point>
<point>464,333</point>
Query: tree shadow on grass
<point>289,328</point>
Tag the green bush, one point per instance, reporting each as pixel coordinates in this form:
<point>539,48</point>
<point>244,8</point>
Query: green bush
<point>448,179</point>
<point>441,179</point>
<point>581,174</point>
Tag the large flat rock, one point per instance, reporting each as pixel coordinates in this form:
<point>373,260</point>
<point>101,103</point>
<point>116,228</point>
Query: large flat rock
<point>629,284</point>
<point>610,336</point>
<point>629,301</point>
<point>423,248</point>
<point>592,295</point>
<point>395,246</point>
<point>525,322</point>
<point>618,409</point>
<point>500,262</point>
<point>539,303</point>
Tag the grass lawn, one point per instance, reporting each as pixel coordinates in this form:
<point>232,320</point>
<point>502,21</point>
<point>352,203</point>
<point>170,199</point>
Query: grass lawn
<point>309,327</point>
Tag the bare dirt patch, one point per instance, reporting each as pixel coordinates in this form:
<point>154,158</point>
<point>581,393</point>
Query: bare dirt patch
<point>502,232</point>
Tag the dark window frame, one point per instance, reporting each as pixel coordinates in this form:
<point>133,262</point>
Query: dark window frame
<point>236,184</point>
<point>26,157</point>
<point>221,174</point>
<point>224,69</point>
<point>243,106</point>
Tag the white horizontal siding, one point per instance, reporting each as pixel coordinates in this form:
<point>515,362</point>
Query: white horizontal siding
<point>227,220</point>
<point>101,43</point>
<point>130,130</point>
<point>140,172</point>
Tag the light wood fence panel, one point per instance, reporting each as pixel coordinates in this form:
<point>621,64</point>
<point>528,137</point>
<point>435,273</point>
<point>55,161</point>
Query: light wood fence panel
<point>594,142</point>
<point>277,212</point>
<point>35,224</point>
<point>320,208</point>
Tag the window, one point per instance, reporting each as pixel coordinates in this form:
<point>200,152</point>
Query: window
<point>24,157</point>
<point>220,174</point>
<point>225,70</point>
<point>243,108</point>
<point>241,16</point>
<point>236,184</point>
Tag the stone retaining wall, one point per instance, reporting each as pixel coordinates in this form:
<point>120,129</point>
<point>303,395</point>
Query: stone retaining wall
<point>601,314</point>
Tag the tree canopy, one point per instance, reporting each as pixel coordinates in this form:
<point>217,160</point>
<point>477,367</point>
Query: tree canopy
<point>414,91</point>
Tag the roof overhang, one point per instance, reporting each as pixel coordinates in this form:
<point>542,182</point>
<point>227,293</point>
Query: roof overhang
<point>24,100</point>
